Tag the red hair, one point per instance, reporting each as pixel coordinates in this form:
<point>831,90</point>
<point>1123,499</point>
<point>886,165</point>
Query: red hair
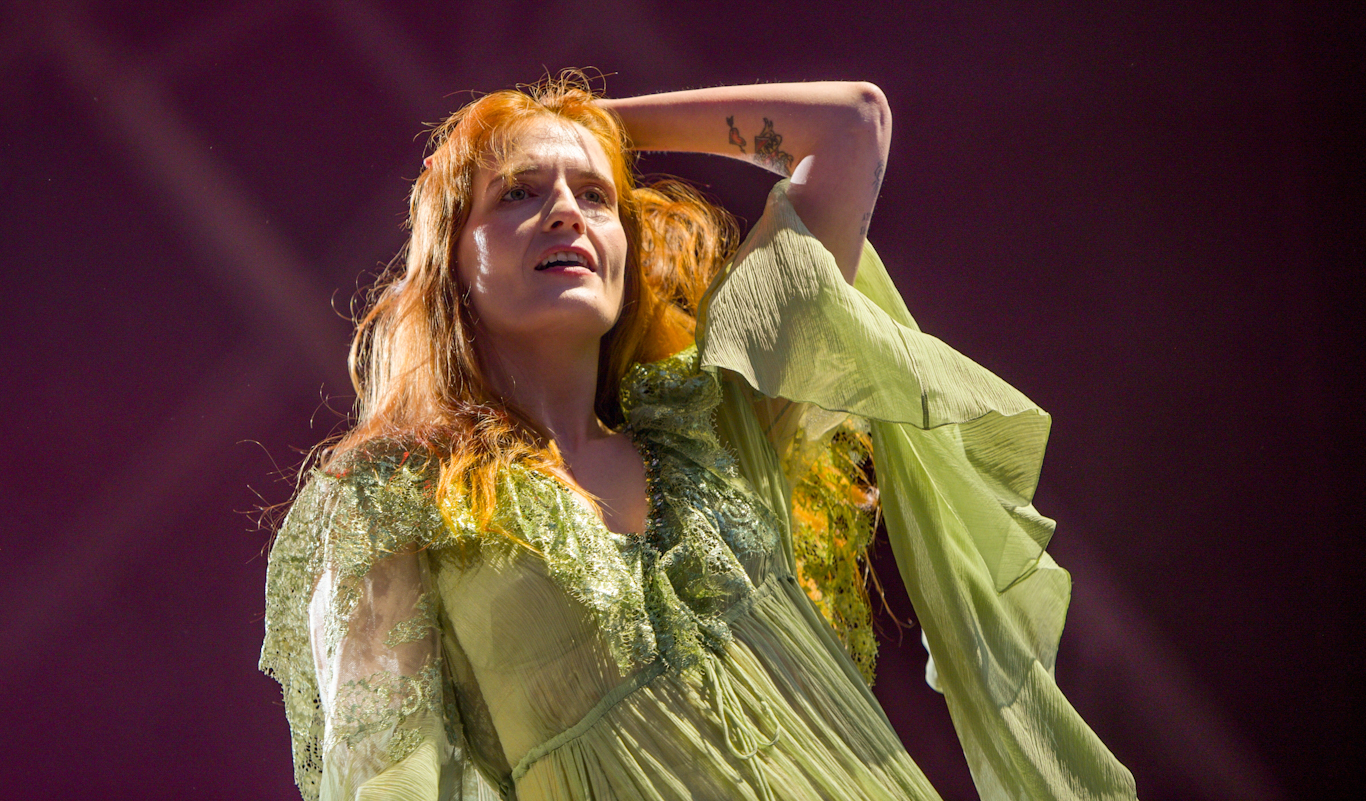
<point>417,375</point>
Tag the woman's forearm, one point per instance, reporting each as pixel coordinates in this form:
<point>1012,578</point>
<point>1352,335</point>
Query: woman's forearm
<point>832,138</point>
<point>770,124</point>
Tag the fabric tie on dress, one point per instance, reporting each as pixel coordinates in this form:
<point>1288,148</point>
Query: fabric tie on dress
<point>742,734</point>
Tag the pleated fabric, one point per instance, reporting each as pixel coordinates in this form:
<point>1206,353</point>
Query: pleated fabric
<point>813,733</point>
<point>958,453</point>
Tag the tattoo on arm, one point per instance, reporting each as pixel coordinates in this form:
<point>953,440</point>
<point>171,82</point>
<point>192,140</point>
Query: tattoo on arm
<point>767,146</point>
<point>876,187</point>
<point>767,151</point>
<point>735,137</point>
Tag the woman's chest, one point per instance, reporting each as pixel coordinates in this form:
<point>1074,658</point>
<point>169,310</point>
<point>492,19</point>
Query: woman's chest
<point>548,574</point>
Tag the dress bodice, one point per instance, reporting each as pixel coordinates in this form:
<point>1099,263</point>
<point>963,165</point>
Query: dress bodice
<point>559,612</point>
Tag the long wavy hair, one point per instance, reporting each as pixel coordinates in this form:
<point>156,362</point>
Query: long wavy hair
<point>417,374</point>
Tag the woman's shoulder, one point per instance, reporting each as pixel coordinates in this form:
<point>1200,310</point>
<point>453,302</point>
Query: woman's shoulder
<point>383,492</point>
<point>378,462</point>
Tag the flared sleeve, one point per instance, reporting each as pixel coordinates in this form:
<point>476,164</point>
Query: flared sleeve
<point>957,453</point>
<point>353,637</point>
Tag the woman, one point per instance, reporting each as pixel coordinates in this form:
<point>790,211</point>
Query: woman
<point>554,558</point>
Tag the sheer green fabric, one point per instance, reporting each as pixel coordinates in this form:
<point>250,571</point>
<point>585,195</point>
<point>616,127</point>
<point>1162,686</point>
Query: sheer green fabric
<point>958,453</point>
<point>351,636</point>
<point>424,658</point>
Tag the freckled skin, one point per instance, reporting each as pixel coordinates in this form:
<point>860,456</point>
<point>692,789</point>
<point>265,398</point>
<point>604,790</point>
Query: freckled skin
<point>560,195</point>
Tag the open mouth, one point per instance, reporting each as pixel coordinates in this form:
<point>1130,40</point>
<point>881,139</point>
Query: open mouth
<point>564,259</point>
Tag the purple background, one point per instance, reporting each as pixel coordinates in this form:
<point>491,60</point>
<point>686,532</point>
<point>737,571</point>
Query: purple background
<point>1140,216</point>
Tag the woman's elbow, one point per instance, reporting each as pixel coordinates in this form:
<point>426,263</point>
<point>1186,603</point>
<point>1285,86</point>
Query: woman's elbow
<point>872,116</point>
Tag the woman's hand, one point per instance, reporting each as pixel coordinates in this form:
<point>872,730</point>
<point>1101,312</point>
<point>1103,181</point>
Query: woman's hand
<point>831,138</point>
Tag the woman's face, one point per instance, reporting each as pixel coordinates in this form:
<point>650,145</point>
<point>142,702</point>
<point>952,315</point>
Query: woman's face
<point>543,253</point>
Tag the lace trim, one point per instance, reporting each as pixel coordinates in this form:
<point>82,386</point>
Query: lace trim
<point>418,627</point>
<point>368,508</point>
<point>383,703</point>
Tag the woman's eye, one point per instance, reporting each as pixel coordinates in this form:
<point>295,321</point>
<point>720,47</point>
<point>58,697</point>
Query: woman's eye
<point>515,193</point>
<point>595,196</point>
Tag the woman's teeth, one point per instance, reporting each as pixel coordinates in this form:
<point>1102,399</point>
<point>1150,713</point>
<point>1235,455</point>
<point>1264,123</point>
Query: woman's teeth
<point>562,258</point>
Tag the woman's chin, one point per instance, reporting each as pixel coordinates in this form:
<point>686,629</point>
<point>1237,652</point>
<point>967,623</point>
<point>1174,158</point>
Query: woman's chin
<point>568,324</point>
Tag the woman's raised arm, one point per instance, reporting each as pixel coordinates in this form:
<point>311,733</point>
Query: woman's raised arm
<point>831,138</point>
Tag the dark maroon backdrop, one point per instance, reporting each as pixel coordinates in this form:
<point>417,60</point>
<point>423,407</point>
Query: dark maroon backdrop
<point>1138,215</point>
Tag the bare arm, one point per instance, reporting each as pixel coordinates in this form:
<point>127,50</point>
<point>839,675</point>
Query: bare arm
<point>831,138</point>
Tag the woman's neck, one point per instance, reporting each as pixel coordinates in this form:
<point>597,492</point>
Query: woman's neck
<point>556,385</point>
<point>553,383</point>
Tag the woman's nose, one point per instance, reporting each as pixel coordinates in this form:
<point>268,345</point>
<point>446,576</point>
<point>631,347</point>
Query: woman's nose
<point>564,211</point>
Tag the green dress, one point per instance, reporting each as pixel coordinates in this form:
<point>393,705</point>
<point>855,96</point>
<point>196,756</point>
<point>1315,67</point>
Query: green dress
<point>424,658</point>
